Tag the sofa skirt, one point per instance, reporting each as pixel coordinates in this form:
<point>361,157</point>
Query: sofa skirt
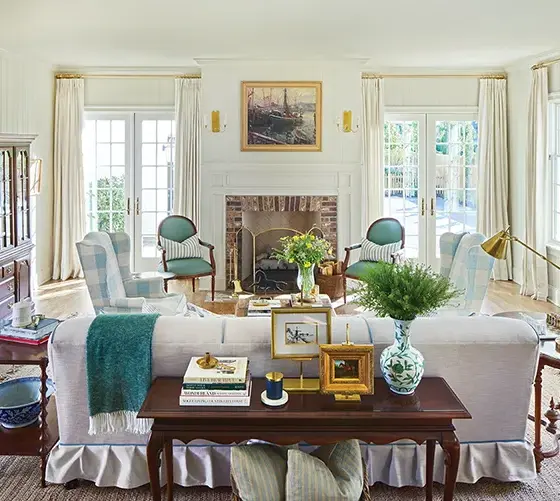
<point>203,463</point>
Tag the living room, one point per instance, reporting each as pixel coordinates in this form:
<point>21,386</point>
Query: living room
<point>261,122</point>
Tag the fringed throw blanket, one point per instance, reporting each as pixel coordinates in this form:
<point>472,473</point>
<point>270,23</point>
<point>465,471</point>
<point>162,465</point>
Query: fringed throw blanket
<point>119,371</point>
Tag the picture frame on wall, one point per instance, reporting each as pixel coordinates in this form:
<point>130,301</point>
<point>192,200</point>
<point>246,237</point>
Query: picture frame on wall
<point>298,332</point>
<point>281,116</point>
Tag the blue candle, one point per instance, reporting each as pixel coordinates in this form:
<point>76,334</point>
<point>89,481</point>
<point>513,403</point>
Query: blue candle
<point>274,385</point>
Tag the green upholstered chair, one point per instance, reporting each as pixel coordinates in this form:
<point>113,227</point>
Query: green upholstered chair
<point>179,228</point>
<point>384,231</point>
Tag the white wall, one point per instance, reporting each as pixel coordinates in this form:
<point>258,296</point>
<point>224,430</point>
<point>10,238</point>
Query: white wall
<point>439,91</point>
<point>129,92</point>
<point>26,106</point>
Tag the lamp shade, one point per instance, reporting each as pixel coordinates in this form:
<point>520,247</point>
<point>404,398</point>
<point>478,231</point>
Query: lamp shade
<point>496,246</point>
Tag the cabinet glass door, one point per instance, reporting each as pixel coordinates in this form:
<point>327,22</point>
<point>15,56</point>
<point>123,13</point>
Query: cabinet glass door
<point>6,230</point>
<point>23,215</point>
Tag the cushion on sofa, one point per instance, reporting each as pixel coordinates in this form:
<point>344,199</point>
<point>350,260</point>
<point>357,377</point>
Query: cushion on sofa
<point>330,473</point>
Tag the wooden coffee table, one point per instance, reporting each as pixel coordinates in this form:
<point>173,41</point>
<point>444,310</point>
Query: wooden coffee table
<point>427,416</point>
<point>37,439</point>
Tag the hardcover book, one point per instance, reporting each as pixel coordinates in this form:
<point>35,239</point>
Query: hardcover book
<point>216,401</point>
<point>228,370</point>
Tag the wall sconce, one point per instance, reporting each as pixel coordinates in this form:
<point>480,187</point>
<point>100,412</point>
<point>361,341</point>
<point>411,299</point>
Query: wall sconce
<point>215,122</point>
<point>347,122</point>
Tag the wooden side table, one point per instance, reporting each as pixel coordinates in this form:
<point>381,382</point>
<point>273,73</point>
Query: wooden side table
<point>427,416</point>
<point>37,439</point>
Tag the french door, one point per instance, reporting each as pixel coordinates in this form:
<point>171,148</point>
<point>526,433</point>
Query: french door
<point>430,178</point>
<point>129,168</point>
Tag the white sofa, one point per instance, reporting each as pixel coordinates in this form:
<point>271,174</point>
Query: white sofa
<point>489,362</point>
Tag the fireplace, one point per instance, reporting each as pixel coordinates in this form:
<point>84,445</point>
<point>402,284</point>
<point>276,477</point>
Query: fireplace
<point>254,226</point>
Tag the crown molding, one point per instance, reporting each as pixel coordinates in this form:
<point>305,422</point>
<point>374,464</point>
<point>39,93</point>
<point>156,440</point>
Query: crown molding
<point>244,60</point>
<point>411,71</point>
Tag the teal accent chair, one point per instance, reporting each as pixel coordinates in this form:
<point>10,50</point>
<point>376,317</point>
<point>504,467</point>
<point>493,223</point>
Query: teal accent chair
<point>179,228</point>
<point>386,230</point>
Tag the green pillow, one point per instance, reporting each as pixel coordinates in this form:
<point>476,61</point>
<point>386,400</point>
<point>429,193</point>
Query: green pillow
<point>330,473</point>
<point>258,472</point>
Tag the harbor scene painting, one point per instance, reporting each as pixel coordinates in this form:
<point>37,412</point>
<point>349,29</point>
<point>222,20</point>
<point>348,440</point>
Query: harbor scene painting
<point>281,116</point>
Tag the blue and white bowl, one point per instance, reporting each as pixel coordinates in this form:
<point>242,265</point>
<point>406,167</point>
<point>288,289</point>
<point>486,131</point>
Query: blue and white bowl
<point>20,401</point>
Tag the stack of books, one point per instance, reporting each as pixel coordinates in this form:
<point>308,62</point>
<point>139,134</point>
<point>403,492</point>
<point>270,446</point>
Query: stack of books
<point>227,384</point>
<point>34,335</point>
<point>262,307</point>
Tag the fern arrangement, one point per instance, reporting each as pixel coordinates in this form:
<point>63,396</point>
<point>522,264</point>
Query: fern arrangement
<point>404,291</point>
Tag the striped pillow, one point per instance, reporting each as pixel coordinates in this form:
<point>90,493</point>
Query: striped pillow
<point>332,472</point>
<point>374,252</point>
<point>181,250</point>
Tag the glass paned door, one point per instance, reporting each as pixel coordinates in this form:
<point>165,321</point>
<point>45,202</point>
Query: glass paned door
<point>453,176</point>
<point>404,179</point>
<point>431,178</point>
<point>154,167</point>
<point>6,235</point>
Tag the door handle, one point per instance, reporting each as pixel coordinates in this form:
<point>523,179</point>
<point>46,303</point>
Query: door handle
<point>137,206</point>
<point>128,206</point>
<point>432,210</point>
<point>423,207</point>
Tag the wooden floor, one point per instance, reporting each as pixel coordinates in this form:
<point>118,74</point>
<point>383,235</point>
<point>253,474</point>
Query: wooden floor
<point>60,299</point>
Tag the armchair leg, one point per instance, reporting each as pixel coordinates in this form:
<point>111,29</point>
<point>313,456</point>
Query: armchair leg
<point>165,285</point>
<point>213,286</point>
<point>194,285</point>
<point>344,287</point>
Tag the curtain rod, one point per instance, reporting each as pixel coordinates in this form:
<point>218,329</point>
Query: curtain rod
<point>544,64</point>
<point>124,75</point>
<point>491,76</point>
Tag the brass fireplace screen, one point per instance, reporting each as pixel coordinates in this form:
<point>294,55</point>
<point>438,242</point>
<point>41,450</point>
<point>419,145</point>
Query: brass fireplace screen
<point>254,268</point>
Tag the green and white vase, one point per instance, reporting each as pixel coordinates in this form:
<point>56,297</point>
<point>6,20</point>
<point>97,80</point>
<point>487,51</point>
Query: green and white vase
<point>306,281</point>
<point>402,365</point>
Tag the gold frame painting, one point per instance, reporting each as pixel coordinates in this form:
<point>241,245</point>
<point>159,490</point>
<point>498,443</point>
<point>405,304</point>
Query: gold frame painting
<point>359,381</point>
<point>314,322</point>
<point>281,116</point>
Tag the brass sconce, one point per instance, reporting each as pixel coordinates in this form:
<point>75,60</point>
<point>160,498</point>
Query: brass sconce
<point>215,122</point>
<point>347,122</point>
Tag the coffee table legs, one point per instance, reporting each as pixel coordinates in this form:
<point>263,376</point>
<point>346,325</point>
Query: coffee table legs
<point>452,450</point>
<point>153,452</point>
<point>430,454</point>
<point>168,452</point>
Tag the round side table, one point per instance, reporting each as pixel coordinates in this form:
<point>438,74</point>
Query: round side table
<point>165,275</point>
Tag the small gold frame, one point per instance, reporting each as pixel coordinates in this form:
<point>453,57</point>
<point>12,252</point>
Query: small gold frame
<point>346,388</point>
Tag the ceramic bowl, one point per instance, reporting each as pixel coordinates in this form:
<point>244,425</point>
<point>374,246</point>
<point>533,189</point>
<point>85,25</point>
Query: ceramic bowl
<point>20,401</point>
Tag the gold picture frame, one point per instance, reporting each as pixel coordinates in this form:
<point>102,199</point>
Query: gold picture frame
<point>281,116</point>
<point>356,364</point>
<point>298,333</point>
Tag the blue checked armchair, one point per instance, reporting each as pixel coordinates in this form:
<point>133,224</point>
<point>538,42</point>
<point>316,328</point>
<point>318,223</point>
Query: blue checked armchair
<point>469,268</point>
<point>105,259</point>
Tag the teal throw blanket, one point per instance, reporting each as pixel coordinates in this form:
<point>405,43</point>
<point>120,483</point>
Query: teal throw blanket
<point>119,371</point>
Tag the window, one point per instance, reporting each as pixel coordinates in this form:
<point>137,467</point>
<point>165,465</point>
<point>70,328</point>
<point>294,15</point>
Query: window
<point>554,151</point>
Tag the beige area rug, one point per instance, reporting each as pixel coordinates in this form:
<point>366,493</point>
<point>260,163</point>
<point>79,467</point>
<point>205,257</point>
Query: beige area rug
<point>20,477</point>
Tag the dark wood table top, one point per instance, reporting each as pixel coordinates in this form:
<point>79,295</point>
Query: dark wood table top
<point>433,400</point>
<point>24,354</point>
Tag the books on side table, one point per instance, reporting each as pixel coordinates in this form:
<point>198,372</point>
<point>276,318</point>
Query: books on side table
<point>227,384</point>
<point>31,334</point>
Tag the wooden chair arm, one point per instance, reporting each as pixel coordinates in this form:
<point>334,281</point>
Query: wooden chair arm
<point>206,244</point>
<point>347,256</point>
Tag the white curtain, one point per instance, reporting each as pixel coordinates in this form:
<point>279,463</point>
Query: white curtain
<point>537,197</point>
<point>373,144</point>
<point>187,148</point>
<point>69,189</point>
<point>492,211</point>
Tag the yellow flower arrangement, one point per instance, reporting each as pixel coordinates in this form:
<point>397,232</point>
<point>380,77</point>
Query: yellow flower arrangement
<point>304,249</point>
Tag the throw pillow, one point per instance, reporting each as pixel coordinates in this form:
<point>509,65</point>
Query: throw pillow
<point>330,473</point>
<point>181,250</point>
<point>258,472</point>
<point>374,252</point>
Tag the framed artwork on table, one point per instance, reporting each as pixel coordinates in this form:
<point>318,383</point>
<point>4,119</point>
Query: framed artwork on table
<point>297,333</point>
<point>281,116</point>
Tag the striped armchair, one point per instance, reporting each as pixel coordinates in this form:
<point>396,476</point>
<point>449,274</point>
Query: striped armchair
<point>105,259</point>
<point>469,268</point>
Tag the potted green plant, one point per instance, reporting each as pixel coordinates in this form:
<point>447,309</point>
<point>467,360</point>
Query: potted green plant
<point>306,250</point>
<point>403,292</point>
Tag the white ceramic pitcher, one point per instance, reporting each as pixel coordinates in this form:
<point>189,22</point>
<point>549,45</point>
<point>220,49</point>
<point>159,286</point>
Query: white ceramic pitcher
<point>21,313</point>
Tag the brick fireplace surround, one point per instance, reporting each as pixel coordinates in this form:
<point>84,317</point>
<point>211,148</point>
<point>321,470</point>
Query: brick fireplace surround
<point>236,205</point>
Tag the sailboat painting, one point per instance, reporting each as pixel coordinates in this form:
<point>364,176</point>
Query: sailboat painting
<point>281,116</point>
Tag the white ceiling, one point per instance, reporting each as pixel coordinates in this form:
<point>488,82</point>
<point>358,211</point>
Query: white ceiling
<point>390,33</point>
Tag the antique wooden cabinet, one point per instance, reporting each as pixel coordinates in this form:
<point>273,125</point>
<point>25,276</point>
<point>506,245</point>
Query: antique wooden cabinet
<point>15,220</point>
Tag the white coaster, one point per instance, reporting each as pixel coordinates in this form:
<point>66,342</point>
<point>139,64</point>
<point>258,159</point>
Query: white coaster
<point>274,403</point>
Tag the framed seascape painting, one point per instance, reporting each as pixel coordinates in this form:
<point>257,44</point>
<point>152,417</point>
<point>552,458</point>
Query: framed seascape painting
<point>298,332</point>
<point>281,116</point>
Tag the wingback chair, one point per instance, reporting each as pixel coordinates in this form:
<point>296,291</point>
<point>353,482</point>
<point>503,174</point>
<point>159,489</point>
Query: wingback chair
<point>178,229</point>
<point>105,260</point>
<point>466,264</point>
<point>383,231</point>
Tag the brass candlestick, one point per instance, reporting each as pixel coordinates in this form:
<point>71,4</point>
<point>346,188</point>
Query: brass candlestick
<point>207,361</point>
